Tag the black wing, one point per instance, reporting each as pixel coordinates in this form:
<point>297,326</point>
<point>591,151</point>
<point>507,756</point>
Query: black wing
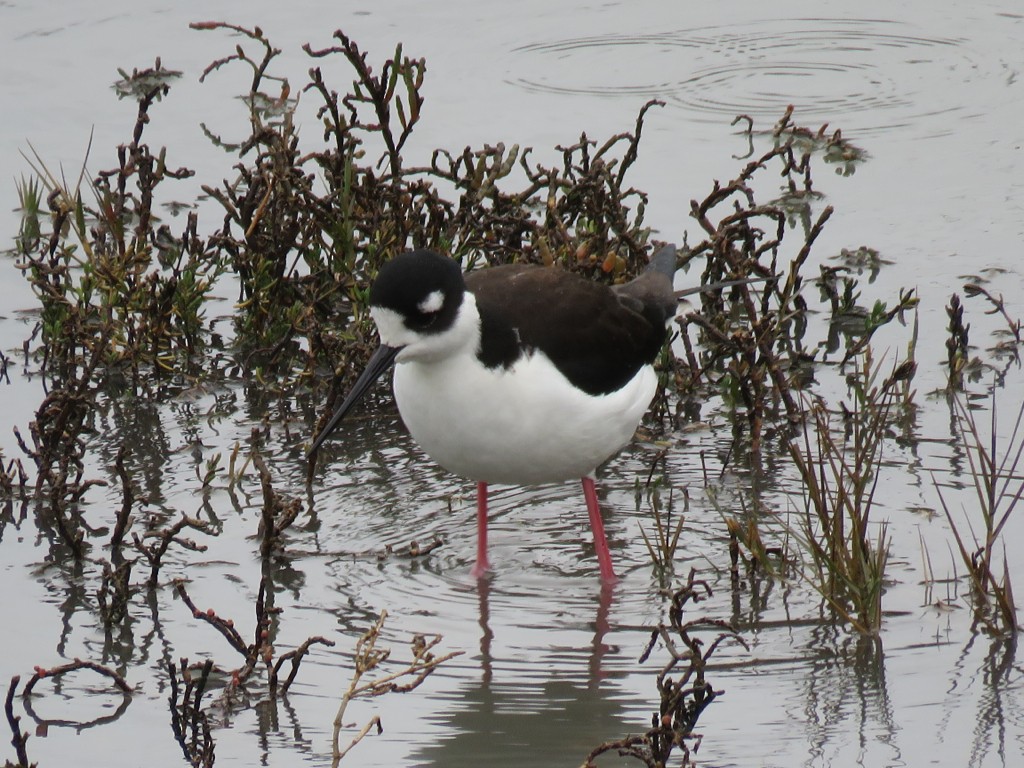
<point>597,337</point>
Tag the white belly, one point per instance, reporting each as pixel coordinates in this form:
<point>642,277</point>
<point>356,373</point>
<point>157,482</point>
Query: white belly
<point>522,426</point>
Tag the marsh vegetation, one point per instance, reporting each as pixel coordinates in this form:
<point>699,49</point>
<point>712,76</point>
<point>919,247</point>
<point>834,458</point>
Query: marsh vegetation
<point>813,389</point>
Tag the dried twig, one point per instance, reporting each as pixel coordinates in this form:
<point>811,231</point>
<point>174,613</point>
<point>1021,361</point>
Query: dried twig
<point>261,649</point>
<point>190,723</point>
<point>367,658</point>
<point>128,499</point>
<point>63,669</point>
<point>278,512</point>
<point>683,698</point>
<point>295,656</point>
<point>18,737</point>
<point>154,553</point>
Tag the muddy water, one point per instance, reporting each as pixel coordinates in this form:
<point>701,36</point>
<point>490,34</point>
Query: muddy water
<point>549,666</point>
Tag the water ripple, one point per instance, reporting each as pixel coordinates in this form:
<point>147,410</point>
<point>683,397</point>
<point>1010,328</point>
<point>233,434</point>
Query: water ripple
<point>829,68</point>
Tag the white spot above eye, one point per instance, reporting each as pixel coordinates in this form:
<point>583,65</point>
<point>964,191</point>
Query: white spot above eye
<point>433,302</point>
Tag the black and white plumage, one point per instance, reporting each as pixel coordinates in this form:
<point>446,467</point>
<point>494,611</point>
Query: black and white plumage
<point>517,374</point>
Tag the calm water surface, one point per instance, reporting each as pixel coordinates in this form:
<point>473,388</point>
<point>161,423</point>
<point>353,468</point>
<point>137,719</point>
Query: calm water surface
<point>549,666</point>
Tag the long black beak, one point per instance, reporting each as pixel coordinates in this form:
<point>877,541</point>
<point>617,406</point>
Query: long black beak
<point>380,361</point>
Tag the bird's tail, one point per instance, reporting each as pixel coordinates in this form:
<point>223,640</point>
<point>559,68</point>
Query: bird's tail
<point>664,262</point>
<point>650,293</point>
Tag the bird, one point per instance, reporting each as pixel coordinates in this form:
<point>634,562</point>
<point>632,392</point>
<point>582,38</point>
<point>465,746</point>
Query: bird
<point>518,374</point>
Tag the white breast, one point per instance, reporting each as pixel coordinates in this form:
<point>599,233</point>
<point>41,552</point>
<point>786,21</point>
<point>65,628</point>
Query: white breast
<point>524,425</point>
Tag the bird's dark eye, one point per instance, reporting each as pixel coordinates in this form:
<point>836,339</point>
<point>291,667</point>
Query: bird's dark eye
<point>431,313</point>
<point>422,320</point>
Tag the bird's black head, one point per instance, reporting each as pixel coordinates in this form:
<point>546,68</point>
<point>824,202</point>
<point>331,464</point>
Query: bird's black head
<point>415,303</point>
<point>423,287</point>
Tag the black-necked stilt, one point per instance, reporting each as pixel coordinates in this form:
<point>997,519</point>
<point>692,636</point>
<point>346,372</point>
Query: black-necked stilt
<point>517,374</point>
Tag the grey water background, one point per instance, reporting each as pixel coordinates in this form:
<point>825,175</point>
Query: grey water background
<point>931,91</point>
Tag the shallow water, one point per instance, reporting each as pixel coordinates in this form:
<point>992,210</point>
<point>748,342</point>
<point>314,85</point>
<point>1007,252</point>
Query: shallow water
<point>550,659</point>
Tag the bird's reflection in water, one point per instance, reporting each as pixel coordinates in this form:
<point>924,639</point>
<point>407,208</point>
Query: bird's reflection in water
<point>538,711</point>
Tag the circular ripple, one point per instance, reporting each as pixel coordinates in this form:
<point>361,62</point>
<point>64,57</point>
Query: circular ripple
<point>828,69</point>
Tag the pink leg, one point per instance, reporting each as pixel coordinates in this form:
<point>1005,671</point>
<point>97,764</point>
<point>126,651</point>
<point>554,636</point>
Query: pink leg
<point>604,558</point>
<point>482,566</point>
